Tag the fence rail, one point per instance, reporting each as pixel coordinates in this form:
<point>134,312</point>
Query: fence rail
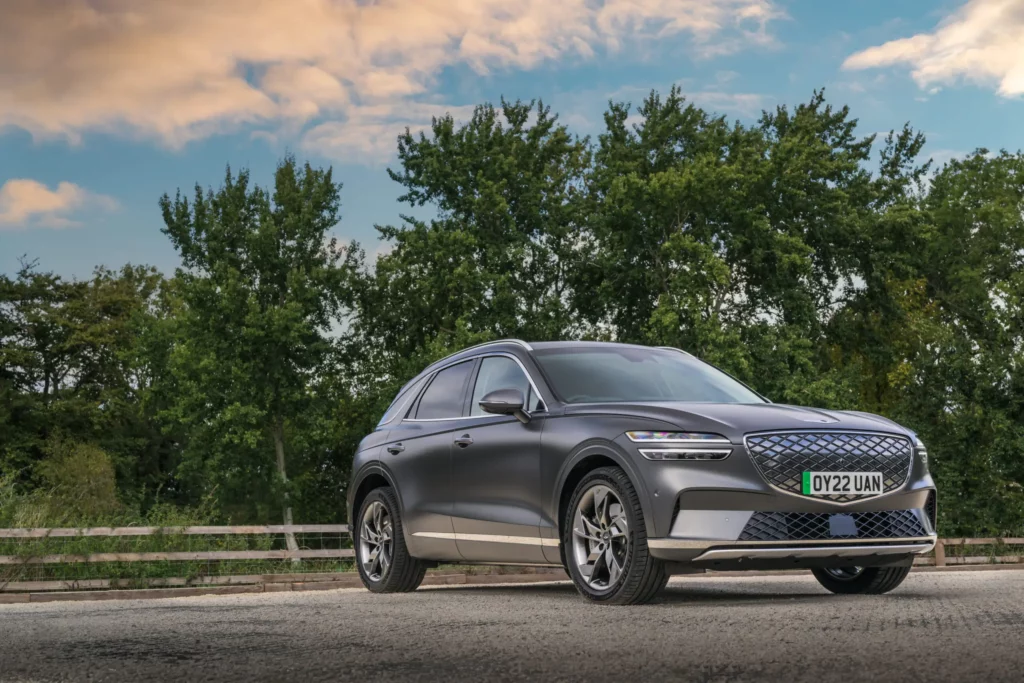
<point>175,531</point>
<point>67,547</point>
<point>198,555</point>
<point>942,544</point>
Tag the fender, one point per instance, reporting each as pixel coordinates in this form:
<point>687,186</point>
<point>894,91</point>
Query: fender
<point>372,467</point>
<point>612,451</point>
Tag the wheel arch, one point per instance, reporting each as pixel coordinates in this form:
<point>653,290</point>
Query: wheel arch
<point>587,458</point>
<point>373,476</point>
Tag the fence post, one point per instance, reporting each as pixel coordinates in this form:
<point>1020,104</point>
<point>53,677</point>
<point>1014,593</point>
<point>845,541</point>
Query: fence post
<point>940,553</point>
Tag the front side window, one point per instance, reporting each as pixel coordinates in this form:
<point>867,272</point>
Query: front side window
<point>631,374</point>
<point>500,372</point>
<point>443,398</point>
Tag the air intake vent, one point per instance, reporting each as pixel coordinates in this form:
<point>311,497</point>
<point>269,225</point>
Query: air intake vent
<point>931,510</point>
<point>823,526</point>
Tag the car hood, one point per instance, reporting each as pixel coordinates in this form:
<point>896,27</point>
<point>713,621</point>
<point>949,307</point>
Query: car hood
<point>736,419</point>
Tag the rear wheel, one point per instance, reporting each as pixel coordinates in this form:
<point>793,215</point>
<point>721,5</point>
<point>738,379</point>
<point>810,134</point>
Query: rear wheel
<point>382,557</point>
<point>861,580</point>
<point>605,542</point>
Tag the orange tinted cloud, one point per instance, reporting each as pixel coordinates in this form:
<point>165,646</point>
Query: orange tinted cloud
<point>28,203</point>
<point>177,70</point>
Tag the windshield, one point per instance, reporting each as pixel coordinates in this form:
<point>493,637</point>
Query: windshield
<point>623,373</point>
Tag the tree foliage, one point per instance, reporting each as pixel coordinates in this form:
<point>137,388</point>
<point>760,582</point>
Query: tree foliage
<point>260,285</point>
<point>821,265</point>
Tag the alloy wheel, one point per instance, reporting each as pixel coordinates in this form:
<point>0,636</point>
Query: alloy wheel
<point>375,541</point>
<point>600,537</point>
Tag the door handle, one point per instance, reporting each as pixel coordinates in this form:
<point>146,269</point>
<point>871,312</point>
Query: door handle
<point>464,440</point>
<point>395,448</point>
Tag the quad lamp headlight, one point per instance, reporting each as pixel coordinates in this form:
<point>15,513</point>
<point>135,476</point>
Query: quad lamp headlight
<point>681,445</point>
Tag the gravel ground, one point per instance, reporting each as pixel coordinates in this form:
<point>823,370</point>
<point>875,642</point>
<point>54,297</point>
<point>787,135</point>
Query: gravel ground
<point>960,626</point>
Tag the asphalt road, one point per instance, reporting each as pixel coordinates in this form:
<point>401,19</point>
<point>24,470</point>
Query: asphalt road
<point>961,626</point>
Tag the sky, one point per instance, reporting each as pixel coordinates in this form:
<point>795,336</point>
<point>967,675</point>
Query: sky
<point>105,105</point>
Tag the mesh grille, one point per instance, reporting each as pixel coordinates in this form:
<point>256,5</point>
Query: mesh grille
<point>783,458</point>
<point>821,526</point>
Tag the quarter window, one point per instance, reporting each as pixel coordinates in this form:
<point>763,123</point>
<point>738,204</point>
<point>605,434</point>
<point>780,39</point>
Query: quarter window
<point>401,401</point>
<point>443,398</point>
<point>500,372</point>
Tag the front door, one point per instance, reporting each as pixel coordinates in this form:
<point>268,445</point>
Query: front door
<point>496,473</point>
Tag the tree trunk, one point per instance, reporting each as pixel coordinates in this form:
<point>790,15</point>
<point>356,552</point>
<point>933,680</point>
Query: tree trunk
<point>279,450</point>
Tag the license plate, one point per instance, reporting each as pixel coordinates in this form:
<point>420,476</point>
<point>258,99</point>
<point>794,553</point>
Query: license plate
<point>842,483</point>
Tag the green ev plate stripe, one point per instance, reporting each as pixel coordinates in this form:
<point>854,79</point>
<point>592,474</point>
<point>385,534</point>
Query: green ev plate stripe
<point>807,483</point>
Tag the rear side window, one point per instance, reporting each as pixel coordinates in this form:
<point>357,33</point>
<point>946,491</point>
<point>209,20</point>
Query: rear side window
<point>443,398</point>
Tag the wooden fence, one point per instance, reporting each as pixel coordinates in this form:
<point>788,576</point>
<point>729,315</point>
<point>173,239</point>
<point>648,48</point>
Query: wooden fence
<point>331,553</point>
<point>941,558</point>
<point>941,546</point>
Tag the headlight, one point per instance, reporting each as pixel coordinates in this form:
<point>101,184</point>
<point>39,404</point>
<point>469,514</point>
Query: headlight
<point>681,445</point>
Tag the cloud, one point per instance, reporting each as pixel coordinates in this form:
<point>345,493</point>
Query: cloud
<point>179,70</point>
<point>748,105</point>
<point>371,132</point>
<point>28,203</point>
<point>980,43</point>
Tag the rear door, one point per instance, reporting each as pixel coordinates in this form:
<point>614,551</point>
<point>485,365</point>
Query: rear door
<point>496,472</point>
<point>419,457</point>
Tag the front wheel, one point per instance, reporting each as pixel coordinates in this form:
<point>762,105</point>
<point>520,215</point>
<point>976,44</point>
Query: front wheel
<point>382,557</point>
<point>605,542</point>
<point>861,580</point>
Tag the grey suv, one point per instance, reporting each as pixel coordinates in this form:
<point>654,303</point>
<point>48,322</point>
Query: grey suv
<point>625,465</point>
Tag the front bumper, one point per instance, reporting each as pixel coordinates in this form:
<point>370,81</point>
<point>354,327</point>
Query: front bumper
<point>734,539</point>
<point>726,555</point>
<point>728,514</point>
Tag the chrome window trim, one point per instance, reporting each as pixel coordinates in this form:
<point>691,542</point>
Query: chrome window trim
<point>775,489</point>
<point>410,395</point>
<point>431,377</point>
<point>533,385</point>
<point>526,372</point>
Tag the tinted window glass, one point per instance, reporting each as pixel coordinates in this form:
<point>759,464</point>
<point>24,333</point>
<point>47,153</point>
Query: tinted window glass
<point>443,398</point>
<point>610,374</point>
<point>401,402</point>
<point>499,372</point>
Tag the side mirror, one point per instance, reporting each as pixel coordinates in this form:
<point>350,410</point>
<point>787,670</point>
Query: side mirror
<point>506,402</point>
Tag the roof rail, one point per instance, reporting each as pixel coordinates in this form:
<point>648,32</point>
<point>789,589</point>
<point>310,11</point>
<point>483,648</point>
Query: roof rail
<point>500,341</point>
<point>672,348</point>
<point>520,342</point>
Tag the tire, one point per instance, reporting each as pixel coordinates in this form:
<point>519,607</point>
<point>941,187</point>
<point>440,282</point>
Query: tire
<point>399,572</point>
<point>869,580</point>
<point>638,576</point>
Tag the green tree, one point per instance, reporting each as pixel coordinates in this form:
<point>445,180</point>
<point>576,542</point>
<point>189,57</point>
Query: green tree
<point>261,285</point>
<point>507,190</point>
<point>69,364</point>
